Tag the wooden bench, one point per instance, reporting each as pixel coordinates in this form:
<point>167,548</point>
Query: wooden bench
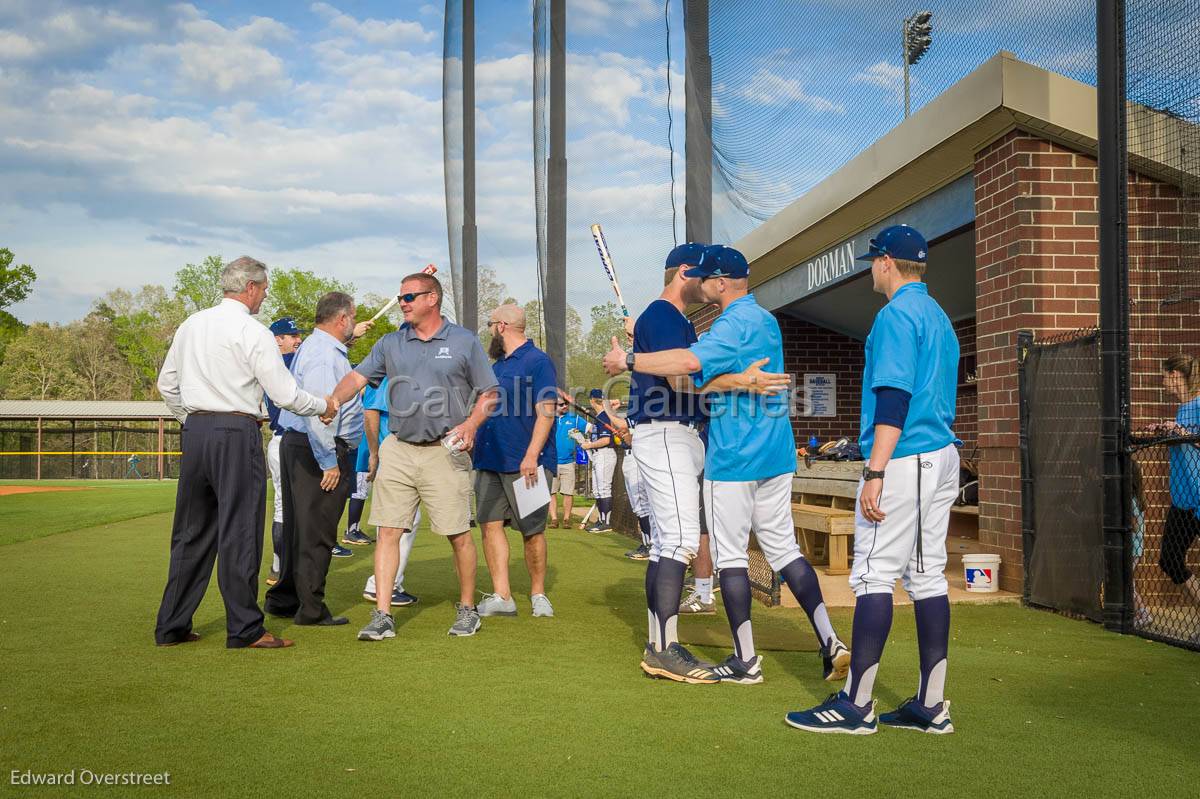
<point>825,532</point>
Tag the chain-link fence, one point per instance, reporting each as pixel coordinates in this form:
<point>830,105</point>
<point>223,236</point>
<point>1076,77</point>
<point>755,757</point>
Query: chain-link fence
<point>87,451</point>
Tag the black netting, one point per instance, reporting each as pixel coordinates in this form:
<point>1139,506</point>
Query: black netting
<point>1162,131</point>
<point>92,451</point>
<point>801,88</point>
<point>1060,404</point>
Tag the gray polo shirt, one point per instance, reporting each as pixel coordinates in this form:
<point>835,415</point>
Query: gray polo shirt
<point>432,385</point>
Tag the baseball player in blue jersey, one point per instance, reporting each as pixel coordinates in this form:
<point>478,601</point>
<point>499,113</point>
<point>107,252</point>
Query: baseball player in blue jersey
<point>749,465</point>
<point>288,338</point>
<point>904,499</point>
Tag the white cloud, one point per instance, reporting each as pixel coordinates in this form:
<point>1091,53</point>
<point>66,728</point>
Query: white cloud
<point>389,33</point>
<point>883,75</point>
<point>768,88</point>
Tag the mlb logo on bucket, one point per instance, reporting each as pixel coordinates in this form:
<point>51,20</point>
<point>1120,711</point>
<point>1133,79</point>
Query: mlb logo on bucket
<point>979,577</point>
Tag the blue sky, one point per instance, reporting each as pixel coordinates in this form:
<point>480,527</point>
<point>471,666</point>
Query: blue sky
<point>137,136</point>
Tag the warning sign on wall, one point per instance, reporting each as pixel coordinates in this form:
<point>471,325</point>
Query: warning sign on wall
<point>820,395</point>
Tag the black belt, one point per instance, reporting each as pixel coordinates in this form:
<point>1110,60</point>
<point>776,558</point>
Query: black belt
<point>345,442</point>
<point>419,443</point>
<point>692,424</point>
<point>257,420</point>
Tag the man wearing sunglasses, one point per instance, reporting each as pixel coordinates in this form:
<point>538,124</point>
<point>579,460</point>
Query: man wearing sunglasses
<point>568,428</point>
<point>440,390</point>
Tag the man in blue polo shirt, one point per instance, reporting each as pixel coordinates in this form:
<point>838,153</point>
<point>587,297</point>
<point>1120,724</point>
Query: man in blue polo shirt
<point>750,460</point>
<point>569,427</point>
<point>515,444</point>
<point>908,394</point>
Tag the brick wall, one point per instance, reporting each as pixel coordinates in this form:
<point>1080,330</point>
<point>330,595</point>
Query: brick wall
<point>966,415</point>
<point>1035,262</point>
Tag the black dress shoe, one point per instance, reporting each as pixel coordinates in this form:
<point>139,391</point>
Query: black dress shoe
<point>329,621</point>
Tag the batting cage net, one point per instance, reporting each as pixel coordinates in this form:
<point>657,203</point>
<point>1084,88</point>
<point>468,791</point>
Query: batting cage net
<point>1162,139</point>
<point>1059,381</point>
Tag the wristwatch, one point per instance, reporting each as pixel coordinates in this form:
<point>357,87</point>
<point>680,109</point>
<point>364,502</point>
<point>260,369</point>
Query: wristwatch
<point>870,475</point>
<point>629,360</point>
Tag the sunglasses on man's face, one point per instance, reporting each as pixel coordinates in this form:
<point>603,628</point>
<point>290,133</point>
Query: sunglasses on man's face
<point>412,295</point>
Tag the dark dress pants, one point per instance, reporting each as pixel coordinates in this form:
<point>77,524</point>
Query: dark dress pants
<point>219,514</point>
<point>310,523</point>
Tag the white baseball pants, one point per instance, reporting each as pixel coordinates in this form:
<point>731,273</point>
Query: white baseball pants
<point>276,476</point>
<point>670,459</point>
<point>734,508</point>
<point>604,463</point>
<point>361,487</point>
<point>633,485</point>
<point>910,544</point>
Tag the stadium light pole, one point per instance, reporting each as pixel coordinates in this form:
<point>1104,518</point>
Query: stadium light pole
<point>916,36</point>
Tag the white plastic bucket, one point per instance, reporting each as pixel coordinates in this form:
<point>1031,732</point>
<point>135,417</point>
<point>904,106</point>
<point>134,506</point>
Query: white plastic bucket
<point>982,572</point>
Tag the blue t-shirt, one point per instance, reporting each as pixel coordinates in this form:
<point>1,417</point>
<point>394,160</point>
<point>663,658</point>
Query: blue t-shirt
<point>373,399</point>
<point>1185,460</point>
<point>525,377</point>
<point>563,444</point>
<point>750,436</point>
<point>272,408</point>
<point>912,346</point>
<point>662,327</point>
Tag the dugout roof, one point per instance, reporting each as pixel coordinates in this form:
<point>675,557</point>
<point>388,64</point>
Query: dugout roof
<point>83,409</point>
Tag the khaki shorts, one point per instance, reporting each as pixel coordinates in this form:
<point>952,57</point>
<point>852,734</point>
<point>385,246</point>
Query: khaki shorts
<point>564,480</point>
<point>410,475</point>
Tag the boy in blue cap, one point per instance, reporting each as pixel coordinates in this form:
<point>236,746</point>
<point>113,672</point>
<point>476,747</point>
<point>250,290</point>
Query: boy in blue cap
<point>908,395</point>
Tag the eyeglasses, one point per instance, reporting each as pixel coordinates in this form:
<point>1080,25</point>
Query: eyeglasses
<point>412,295</point>
<point>496,322</point>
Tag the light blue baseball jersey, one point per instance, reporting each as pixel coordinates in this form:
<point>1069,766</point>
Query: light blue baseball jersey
<point>1185,460</point>
<point>912,346</point>
<point>749,436</point>
<point>373,399</point>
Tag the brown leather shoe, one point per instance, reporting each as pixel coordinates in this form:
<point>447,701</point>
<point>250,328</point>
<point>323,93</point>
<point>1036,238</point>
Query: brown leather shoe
<point>187,639</point>
<point>552,524</point>
<point>269,641</point>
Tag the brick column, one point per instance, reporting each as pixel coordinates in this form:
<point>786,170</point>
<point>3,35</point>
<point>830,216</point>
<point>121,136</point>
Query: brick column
<point>1036,268</point>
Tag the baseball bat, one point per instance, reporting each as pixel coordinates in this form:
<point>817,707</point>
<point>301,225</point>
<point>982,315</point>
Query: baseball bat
<point>430,269</point>
<point>609,269</point>
<point>586,414</point>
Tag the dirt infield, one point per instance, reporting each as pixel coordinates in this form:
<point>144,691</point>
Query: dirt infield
<point>8,490</point>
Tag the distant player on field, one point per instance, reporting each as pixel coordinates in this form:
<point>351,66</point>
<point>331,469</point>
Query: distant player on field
<point>904,499</point>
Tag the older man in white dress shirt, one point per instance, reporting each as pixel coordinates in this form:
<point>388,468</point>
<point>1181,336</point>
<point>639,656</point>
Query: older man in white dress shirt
<point>220,362</point>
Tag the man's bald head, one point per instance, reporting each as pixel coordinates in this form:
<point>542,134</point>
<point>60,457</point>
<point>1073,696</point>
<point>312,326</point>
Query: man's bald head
<point>511,315</point>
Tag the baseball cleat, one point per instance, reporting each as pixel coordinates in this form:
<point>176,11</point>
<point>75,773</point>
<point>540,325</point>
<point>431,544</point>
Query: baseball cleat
<point>692,606</point>
<point>357,538</point>
<point>273,577</point>
<point>742,672</point>
<point>912,715</point>
<point>496,605</point>
<point>835,661</point>
<point>466,620</point>
<point>678,664</point>
<point>381,626</point>
<point>837,714</point>
<point>400,599</point>
<point>340,551</point>
<point>641,553</point>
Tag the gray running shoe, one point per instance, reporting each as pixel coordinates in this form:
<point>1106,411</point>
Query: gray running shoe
<point>678,664</point>
<point>693,606</point>
<point>467,621</point>
<point>381,626</point>
<point>541,606</point>
<point>496,605</point>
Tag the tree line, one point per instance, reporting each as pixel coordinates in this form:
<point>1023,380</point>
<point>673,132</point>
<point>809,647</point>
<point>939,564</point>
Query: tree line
<point>116,350</point>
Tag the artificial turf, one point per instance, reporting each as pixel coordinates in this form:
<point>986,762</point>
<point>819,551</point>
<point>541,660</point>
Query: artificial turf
<point>1043,705</point>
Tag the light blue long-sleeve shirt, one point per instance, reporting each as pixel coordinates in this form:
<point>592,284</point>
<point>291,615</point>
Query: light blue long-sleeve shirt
<point>321,362</point>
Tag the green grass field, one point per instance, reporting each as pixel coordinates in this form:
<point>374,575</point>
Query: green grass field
<point>1044,706</point>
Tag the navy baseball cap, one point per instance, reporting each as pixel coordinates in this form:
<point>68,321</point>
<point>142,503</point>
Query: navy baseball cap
<point>285,327</point>
<point>898,241</point>
<point>720,261</point>
<point>685,255</point>
<point>596,393</point>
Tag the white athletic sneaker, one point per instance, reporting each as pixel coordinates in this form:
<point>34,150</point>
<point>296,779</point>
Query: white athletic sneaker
<point>496,605</point>
<point>541,605</point>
